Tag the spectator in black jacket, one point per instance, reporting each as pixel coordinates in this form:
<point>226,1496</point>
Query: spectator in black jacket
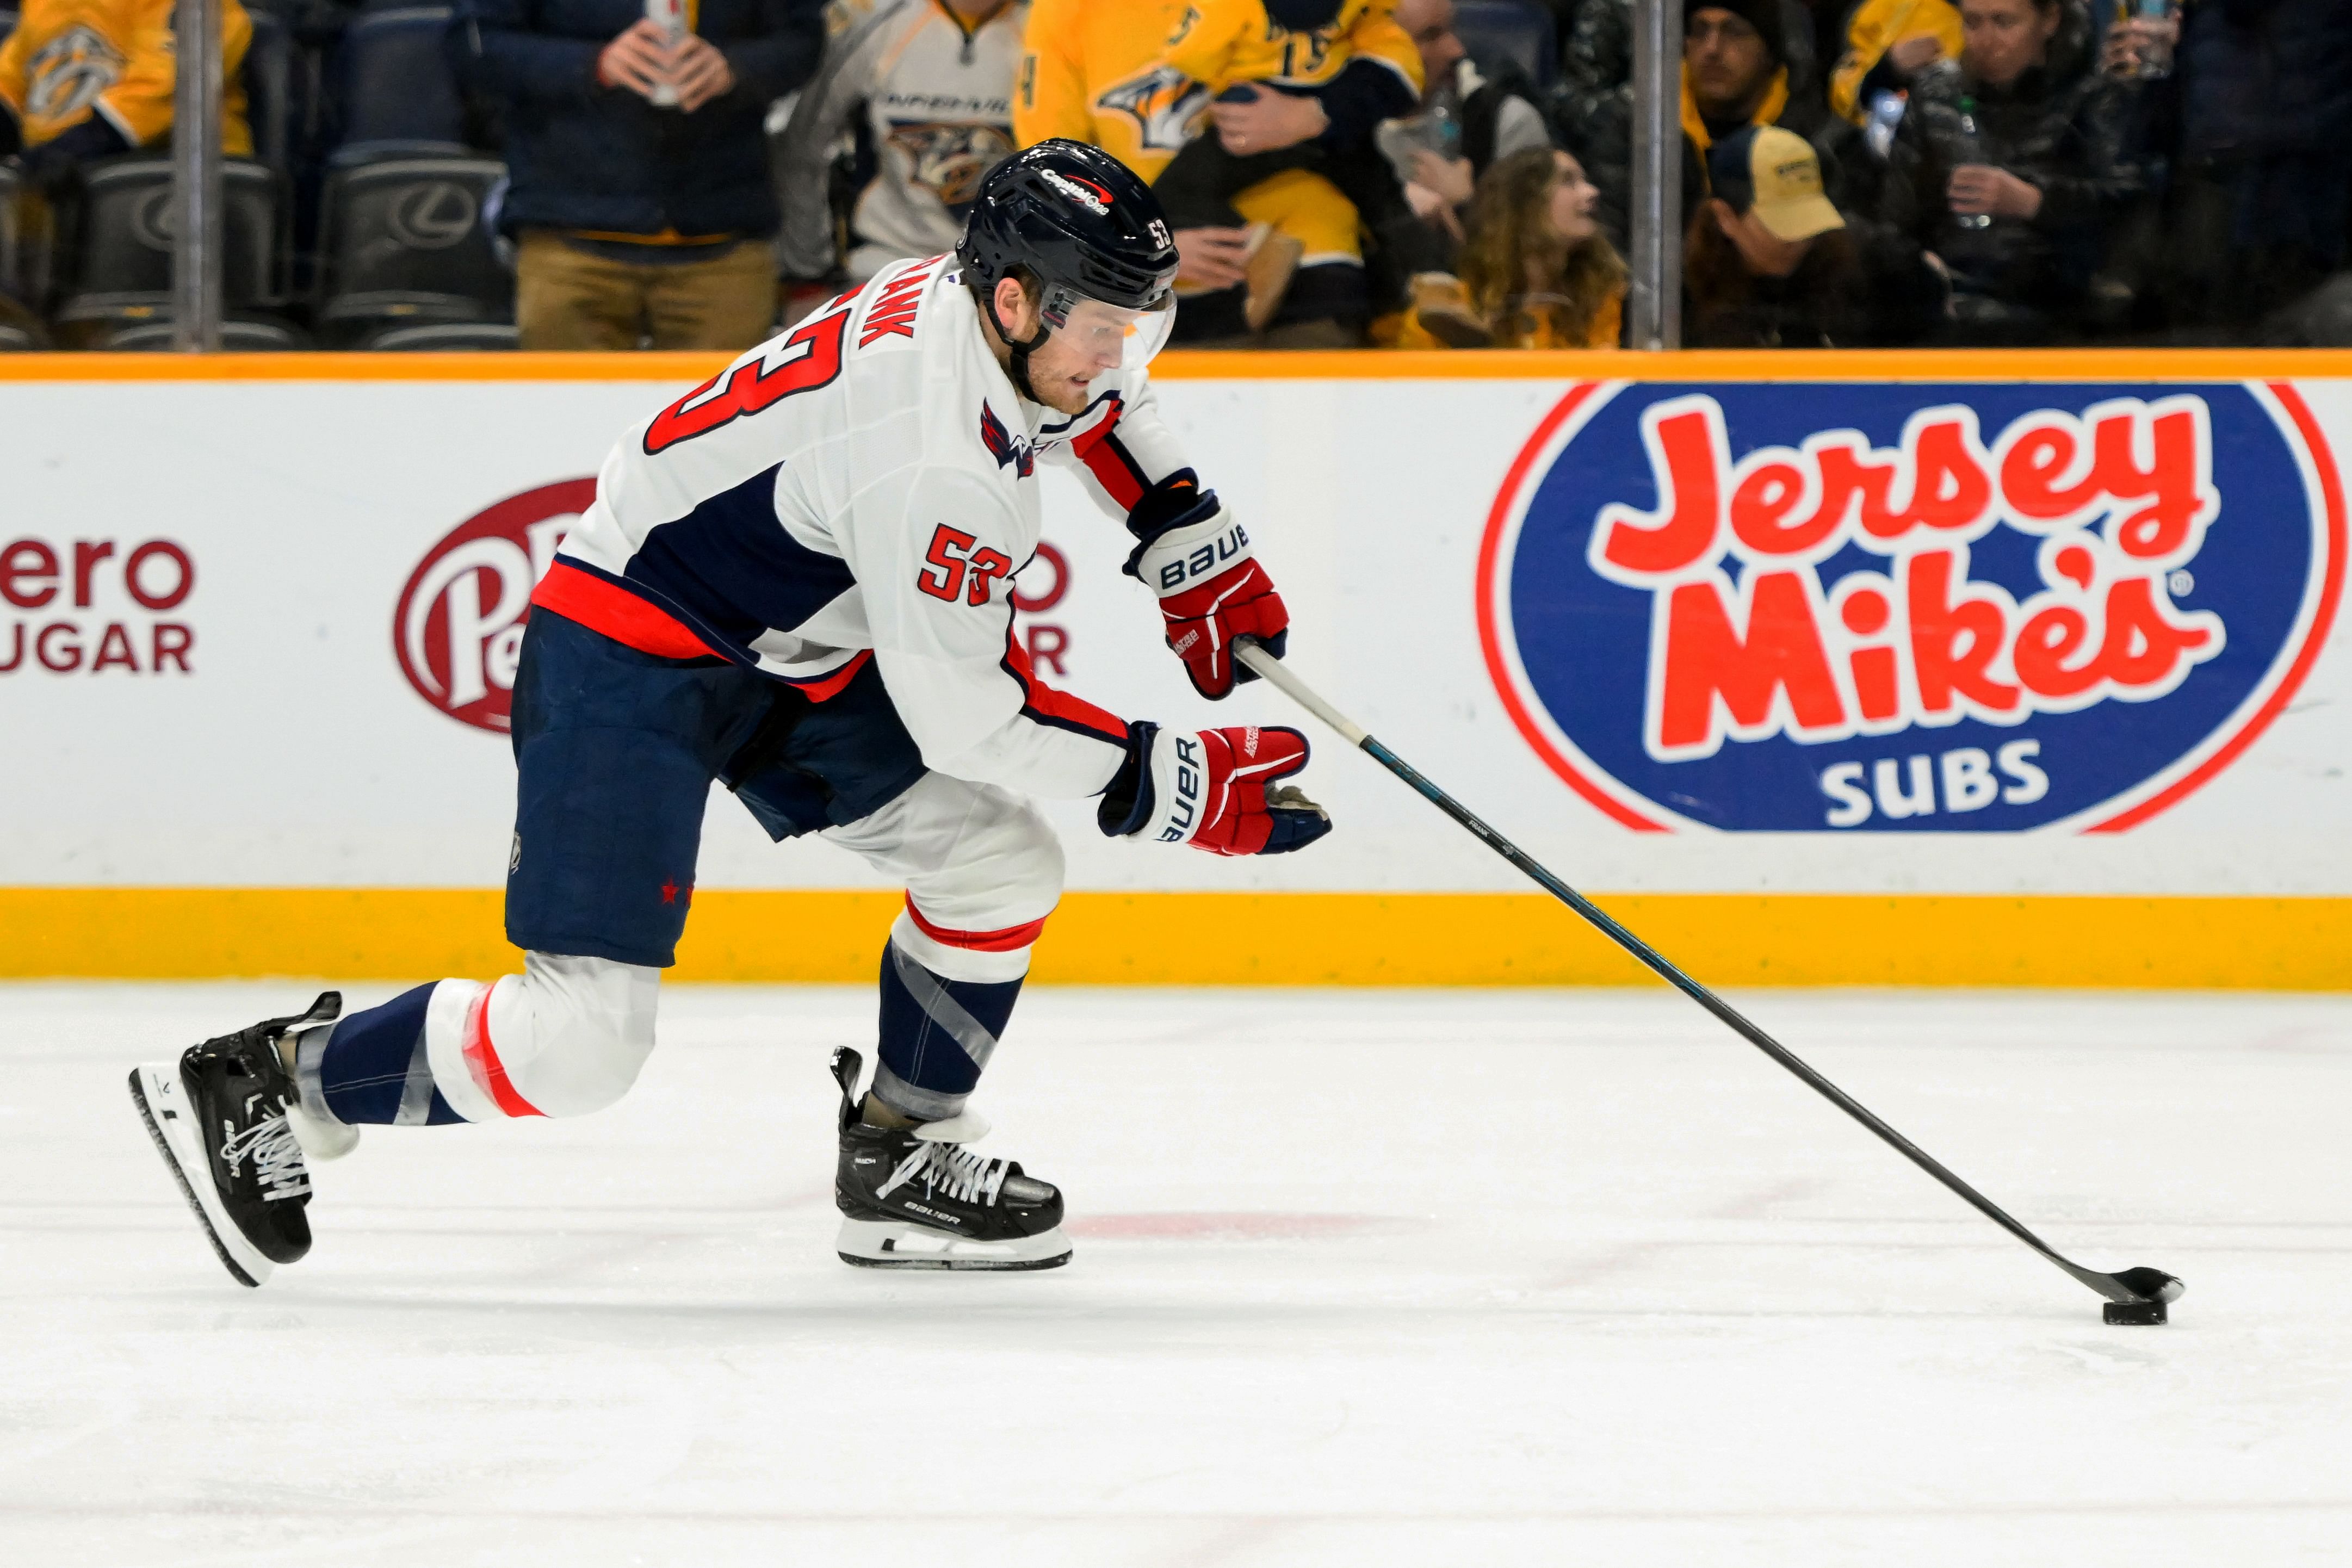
<point>2262,187</point>
<point>641,200</point>
<point>2018,208</point>
<point>1736,72</point>
<point>1597,62</point>
<point>1464,125</point>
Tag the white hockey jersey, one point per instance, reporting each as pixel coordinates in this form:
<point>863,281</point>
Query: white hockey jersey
<point>938,97</point>
<point>863,486</point>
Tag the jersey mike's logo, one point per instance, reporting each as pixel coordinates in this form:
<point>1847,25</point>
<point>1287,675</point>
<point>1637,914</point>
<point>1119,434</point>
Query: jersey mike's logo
<point>458,630</point>
<point>1912,608</point>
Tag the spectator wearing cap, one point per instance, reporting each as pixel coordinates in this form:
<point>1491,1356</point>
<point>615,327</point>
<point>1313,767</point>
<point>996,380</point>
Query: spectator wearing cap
<point>640,199</point>
<point>1735,74</point>
<point>1769,263</point>
<point>1888,44</point>
<point>2017,207</point>
<point>1597,66</point>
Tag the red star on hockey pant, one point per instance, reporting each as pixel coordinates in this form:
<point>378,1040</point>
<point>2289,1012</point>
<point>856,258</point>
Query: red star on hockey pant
<point>670,892</point>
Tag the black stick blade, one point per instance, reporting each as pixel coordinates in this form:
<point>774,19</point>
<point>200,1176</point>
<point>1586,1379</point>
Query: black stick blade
<point>2151,1285</point>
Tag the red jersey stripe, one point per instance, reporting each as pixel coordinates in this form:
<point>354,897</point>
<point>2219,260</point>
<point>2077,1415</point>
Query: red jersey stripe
<point>1101,450</point>
<point>632,622</point>
<point>1060,709</point>
<point>831,686</point>
<point>482,1060</point>
<point>1004,941</point>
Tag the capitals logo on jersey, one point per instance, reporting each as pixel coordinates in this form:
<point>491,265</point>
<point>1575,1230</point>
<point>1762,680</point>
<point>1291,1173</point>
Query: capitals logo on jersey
<point>1911,609</point>
<point>1165,104</point>
<point>1009,451</point>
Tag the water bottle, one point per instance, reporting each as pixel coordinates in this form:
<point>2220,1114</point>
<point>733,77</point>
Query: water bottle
<point>2155,57</point>
<point>1967,147</point>
<point>1887,110</point>
<point>669,15</point>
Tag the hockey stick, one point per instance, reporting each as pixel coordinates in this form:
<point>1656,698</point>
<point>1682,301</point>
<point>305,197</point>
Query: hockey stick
<point>2134,1295</point>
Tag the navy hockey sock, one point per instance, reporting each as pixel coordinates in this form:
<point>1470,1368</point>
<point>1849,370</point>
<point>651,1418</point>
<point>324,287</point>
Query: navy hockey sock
<point>937,1034</point>
<point>372,1066</point>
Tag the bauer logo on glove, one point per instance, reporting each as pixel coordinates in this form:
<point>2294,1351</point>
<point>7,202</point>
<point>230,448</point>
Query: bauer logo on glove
<point>1198,560</point>
<point>1215,789</point>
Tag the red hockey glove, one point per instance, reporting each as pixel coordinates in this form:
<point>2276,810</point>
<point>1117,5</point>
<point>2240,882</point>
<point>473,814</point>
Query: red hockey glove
<point>1215,789</point>
<point>1212,590</point>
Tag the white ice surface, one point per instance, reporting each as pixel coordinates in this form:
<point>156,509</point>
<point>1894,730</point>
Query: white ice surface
<point>1362,1279</point>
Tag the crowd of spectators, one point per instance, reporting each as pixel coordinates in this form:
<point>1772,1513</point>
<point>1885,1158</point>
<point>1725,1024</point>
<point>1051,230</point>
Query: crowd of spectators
<point>686,174</point>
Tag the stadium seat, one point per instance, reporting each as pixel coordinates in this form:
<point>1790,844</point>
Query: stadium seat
<point>238,336</point>
<point>124,257</point>
<point>450,337</point>
<point>24,246</point>
<point>269,76</point>
<point>1519,32</point>
<point>396,93</point>
<point>404,241</point>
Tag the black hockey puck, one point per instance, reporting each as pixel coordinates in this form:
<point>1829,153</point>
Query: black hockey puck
<point>2135,1312</point>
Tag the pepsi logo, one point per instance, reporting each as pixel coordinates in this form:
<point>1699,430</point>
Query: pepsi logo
<point>457,632</point>
<point>1827,608</point>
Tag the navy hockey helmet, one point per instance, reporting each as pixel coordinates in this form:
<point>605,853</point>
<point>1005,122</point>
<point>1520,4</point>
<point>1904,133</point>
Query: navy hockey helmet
<point>1087,227</point>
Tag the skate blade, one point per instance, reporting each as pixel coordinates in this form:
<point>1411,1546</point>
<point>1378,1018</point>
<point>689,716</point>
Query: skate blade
<point>155,1089</point>
<point>892,1244</point>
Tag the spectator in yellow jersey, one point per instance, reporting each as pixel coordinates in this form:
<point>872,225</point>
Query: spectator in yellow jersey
<point>1093,71</point>
<point>88,78</point>
<point>1299,84</point>
<point>1888,42</point>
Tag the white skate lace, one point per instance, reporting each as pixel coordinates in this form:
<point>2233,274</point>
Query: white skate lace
<point>948,1168</point>
<point>276,1158</point>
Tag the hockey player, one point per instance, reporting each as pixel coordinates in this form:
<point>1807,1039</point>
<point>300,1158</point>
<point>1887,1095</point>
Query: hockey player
<point>934,82</point>
<point>796,579</point>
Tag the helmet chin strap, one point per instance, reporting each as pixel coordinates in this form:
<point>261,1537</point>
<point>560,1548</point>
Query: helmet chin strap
<point>1019,369</point>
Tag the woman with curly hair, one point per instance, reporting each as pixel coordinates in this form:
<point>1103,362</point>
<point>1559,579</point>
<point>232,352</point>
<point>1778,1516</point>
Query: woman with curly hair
<point>1535,272</point>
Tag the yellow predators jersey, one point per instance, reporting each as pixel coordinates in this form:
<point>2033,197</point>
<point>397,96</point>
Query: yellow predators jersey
<point>69,59</point>
<point>1877,27</point>
<point>1092,71</point>
<point>1222,42</point>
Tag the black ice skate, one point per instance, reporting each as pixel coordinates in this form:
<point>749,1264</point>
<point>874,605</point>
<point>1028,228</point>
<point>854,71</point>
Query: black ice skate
<point>219,1121</point>
<point>914,1197</point>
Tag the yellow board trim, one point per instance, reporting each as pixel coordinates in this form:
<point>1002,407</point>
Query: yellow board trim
<point>1236,938</point>
<point>1998,365</point>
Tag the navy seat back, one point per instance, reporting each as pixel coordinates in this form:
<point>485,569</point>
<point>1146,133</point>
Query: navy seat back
<point>15,246</point>
<point>127,228</point>
<point>447,337</point>
<point>269,76</point>
<point>397,91</point>
<point>409,239</point>
<point>236,338</point>
<point>1517,31</point>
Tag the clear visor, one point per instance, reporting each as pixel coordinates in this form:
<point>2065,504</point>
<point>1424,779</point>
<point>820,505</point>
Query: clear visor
<point>1108,335</point>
